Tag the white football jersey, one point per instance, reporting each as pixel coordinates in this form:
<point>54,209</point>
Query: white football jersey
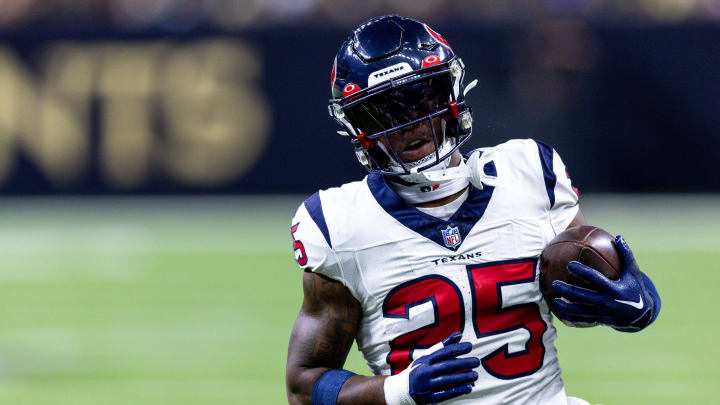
<point>420,278</point>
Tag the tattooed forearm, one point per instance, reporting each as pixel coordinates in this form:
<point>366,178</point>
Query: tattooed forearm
<point>321,339</point>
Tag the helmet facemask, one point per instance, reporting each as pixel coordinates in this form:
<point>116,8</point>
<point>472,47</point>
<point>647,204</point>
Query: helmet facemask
<point>381,114</point>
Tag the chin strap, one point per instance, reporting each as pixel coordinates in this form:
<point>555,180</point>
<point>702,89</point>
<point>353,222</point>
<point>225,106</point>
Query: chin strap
<point>473,169</point>
<point>430,185</point>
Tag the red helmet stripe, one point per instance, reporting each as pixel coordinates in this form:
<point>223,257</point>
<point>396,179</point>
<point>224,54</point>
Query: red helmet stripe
<point>332,75</point>
<point>437,37</point>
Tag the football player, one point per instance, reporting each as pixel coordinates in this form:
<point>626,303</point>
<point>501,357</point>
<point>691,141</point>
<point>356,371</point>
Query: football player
<point>430,262</point>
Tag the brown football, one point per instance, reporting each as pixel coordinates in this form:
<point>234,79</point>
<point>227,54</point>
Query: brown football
<point>588,245</point>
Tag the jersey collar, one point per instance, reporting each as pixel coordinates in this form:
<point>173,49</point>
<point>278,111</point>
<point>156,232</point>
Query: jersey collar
<point>435,229</point>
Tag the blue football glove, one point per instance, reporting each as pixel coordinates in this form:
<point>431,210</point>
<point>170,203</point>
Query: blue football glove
<point>629,304</point>
<point>435,377</point>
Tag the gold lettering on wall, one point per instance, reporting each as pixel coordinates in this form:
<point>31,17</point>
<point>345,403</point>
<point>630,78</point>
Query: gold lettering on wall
<point>217,120</point>
<point>189,112</point>
<point>36,120</point>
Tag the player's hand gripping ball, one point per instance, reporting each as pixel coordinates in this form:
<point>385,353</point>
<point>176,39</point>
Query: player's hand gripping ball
<point>588,245</point>
<point>589,278</point>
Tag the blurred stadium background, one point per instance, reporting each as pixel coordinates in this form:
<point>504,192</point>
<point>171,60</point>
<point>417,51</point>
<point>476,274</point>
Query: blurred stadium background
<point>153,152</point>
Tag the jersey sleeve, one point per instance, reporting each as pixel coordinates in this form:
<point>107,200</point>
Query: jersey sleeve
<point>563,198</point>
<point>311,241</point>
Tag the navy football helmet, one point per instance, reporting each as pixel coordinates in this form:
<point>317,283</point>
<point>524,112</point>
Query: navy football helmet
<point>392,75</point>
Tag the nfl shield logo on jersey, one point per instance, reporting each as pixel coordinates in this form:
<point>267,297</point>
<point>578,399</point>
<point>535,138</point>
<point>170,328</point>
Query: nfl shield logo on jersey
<point>451,236</point>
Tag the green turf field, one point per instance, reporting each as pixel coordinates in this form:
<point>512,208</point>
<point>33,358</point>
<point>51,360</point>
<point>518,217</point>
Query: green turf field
<point>191,301</point>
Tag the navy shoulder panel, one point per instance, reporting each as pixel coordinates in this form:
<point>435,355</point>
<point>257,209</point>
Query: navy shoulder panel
<point>546,161</point>
<point>314,208</point>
